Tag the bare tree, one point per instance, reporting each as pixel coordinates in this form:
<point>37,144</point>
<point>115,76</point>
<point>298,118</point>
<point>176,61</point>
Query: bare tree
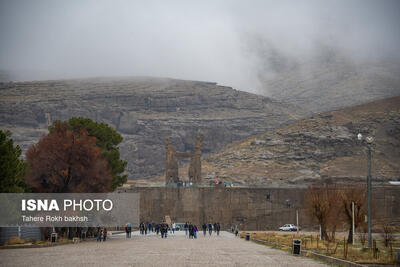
<point>354,194</point>
<point>323,205</point>
<point>387,234</point>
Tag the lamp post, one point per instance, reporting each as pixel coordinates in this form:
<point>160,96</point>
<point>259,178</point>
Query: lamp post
<point>369,140</point>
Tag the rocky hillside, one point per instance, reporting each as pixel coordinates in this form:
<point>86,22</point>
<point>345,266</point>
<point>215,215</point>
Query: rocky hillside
<point>322,147</point>
<point>144,111</point>
<point>331,82</point>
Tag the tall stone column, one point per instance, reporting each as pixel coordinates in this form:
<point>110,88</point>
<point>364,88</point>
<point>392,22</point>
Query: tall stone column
<point>171,163</point>
<point>195,162</point>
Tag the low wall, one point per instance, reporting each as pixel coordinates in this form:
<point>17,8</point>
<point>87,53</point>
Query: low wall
<point>250,208</point>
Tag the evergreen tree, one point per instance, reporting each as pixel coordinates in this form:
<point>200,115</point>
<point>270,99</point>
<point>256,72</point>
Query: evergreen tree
<point>12,168</point>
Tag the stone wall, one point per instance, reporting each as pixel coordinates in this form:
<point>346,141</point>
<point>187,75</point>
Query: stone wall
<point>248,207</point>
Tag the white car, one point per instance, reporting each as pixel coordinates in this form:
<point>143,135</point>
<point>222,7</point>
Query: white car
<point>288,227</point>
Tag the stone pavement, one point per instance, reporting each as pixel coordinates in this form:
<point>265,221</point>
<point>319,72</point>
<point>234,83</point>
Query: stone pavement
<point>151,250</point>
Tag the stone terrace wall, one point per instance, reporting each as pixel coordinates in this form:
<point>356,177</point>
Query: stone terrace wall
<point>247,207</point>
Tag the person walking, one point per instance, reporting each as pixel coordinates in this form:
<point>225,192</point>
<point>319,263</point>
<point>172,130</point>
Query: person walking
<point>166,230</point>
<point>99,235</point>
<point>158,228</point>
<point>218,228</point>
<point>129,230</point>
<point>195,230</point>
<point>186,228</point>
<point>191,231</point>
<point>162,230</point>
<point>209,228</point>
<point>141,228</point>
<point>204,226</point>
<point>173,227</point>
<point>105,235</point>
<point>126,230</point>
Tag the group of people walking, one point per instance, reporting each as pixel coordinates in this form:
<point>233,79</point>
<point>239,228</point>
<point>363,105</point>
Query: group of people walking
<point>161,228</point>
<point>101,234</point>
<point>210,227</point>
<point>192,229</point>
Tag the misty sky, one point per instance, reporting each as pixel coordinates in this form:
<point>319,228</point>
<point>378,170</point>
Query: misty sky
<point>228,42</point>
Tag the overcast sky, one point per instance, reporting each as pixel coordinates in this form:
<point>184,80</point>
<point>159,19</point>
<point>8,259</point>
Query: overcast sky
<point>228,42</point>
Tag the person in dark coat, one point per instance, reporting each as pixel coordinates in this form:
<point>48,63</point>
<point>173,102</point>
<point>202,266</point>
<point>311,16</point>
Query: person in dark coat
<point>210,228</point>
<point>158,228</point>
<point>129,227</point>
<point>141,227</point>
<point>105,235</point>
<point>164,230</point>
<point>218,228</point>
<point>204,226</point>
<point>191,231</point>
<point>195,230</point>
<point>99,234</point>
<point>186,228</point>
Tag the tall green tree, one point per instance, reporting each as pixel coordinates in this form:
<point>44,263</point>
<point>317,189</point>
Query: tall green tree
<point>108,140</point>
<point>12,167</point>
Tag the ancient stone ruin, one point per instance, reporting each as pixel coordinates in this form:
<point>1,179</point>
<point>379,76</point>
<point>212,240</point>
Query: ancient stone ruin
<point>171,162</point>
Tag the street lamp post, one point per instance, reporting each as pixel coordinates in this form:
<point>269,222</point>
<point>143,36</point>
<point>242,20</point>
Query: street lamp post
<point>369,141</point>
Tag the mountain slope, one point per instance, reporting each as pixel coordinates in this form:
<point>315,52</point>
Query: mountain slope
<point>322,147</point>
<point>332,82</point>
<point>145,110</point>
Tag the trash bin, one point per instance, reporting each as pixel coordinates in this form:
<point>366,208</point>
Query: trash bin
<point>247,236</point>
<point>53,237</point>
<point>296,246</point>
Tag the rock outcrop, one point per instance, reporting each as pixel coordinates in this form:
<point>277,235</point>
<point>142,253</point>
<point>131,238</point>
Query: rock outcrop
<point>323,147</point>
<point>145,111</point>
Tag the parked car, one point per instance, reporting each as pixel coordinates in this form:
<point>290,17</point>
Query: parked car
<point>288,227</point>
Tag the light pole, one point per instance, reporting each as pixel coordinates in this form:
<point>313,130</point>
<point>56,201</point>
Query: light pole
<point>369,140</point>
<point>353,229</point>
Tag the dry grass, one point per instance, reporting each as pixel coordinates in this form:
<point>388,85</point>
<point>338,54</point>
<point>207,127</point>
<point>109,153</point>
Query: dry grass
<point>355,253</point>
<point>15,240</point>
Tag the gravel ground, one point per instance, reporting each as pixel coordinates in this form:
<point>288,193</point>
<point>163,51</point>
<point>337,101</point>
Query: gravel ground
<point>151,250</point>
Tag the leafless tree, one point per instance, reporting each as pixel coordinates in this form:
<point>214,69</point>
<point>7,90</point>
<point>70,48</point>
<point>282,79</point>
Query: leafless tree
<point>387,234</point>
<point>323,204</point>
<point>354,194</point>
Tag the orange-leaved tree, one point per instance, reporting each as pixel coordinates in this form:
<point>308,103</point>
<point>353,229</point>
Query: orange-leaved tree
<point>66,162</point>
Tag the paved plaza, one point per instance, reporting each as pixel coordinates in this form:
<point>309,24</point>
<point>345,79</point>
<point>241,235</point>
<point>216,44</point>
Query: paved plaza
<point>151,250</point>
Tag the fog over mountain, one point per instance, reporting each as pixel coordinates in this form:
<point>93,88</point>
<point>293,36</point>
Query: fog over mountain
<point>244,44</point>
